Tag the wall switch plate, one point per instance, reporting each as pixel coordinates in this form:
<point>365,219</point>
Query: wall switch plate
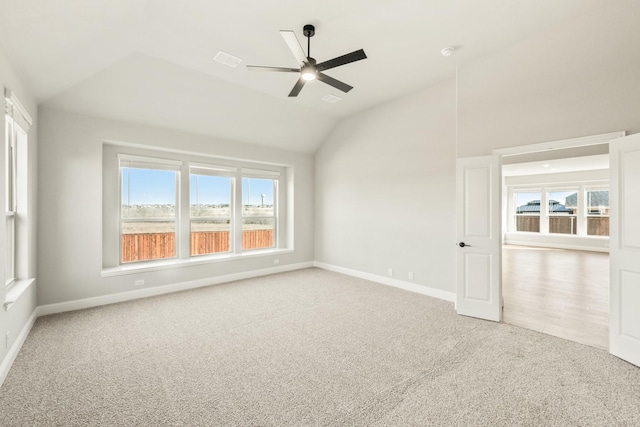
<point>138,282</point>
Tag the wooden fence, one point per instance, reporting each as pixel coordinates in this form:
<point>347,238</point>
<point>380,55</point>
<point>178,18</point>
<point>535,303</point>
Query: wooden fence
<point>596,226</point>
<point>148,246</point>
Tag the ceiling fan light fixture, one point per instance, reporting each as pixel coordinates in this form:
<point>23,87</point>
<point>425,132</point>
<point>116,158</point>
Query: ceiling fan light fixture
<point>308,73</point>
<point>308,76</point>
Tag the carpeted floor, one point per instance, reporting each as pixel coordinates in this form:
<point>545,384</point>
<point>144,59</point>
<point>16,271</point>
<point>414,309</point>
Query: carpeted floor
<point>309,347</point>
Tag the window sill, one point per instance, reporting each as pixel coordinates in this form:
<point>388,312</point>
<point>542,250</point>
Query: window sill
<point>179,263</point>
<point>571,236</point>
<point>15,290</point>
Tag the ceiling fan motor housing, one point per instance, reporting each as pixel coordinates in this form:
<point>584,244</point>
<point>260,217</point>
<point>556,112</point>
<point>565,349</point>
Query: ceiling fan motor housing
<point>308,30</point>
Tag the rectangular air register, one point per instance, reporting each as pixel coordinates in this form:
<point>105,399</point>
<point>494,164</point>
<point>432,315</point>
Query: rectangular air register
<point>331,99</point>
<point>227,59</point>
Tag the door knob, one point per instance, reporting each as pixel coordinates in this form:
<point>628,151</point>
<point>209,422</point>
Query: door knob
<point>463,244</point>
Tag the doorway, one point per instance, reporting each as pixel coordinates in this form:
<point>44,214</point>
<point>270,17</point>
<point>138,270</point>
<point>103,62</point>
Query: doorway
<point>555,261</point>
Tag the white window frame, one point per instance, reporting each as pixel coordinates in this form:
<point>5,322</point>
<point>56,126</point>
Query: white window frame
<point>283,209</point>
<point>548,191</point>
<point>275,177</point>
<point>215,170</point>
<point>149,163</point>
<point>516,215</point>
<point>17,125</point>
<point>586,212</point>
<point>544,190</point>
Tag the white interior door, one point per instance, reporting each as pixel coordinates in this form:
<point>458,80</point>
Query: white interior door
<point>478,292</point>
<point>624,200</point>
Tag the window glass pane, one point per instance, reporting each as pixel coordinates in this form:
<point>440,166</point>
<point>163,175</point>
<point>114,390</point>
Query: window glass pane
<point>147,240</point>
<point>598,212</point>
<point>598,202</point>
<point>148,193</point>
<point>10,265</point>
<point>210,196</point>
<point>257,197</point>
<point>258,232</point>
<point>527,211</point>
<point>563,218</point>
<point>210,236</point>
<point>148,206</point>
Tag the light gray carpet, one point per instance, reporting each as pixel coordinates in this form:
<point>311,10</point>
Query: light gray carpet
<point>309,347</point>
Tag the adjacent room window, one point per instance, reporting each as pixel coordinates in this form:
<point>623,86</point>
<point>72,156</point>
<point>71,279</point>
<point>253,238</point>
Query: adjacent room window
<point>17,124</point>
<point>149,206</point>
<point>259,190</point>
<point>563,209</point>
<point>211,209</point>
<point>597,203</point>
<point>527,211</point>
<point>577,209</point>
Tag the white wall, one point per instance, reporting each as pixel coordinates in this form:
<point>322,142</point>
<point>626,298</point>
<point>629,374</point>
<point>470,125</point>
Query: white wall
<point>70,218</point>
<point>385,181</point>
<point>577,79</point>
<point>385,190</point>
<point>17,316</point>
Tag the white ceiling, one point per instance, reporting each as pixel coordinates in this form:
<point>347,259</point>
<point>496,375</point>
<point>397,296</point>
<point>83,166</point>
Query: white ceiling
<point>151,61</point>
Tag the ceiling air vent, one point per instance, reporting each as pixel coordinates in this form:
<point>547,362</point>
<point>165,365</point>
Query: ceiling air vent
<point>227,59</point>
<point>331,99</point>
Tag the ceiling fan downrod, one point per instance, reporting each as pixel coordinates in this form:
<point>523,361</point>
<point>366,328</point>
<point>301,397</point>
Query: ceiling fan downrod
<point>308,31</point>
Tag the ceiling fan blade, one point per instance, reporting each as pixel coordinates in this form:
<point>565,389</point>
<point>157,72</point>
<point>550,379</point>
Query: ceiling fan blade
<point>341,60</point>
<point>293,43</point>
<point>298,87</point>
<point>280,69</point>
<point>333,82</point>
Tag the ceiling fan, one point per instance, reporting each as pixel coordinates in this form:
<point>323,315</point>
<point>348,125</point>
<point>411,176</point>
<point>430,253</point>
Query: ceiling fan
<point>309,69</point>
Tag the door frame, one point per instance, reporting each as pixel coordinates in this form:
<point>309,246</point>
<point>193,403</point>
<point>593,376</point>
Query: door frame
<point>547,146</point>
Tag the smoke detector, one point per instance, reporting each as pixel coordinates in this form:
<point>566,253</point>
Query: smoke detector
<point>447,51</point>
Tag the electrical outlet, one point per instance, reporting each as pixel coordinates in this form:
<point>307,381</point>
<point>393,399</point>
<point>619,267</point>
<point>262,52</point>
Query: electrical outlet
<point>138,282</point>
<point>6,341</point>
<point>276,261</point>
<point>390,272</point>
<point>411,275</point>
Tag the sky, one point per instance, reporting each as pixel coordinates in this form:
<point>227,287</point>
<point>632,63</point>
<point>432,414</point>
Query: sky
<point>158,187</point>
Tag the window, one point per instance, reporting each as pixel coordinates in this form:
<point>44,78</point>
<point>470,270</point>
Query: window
<point>211,209</point>
<point>17,124</point>
<point>597,202</point>
<point>576,209</point>
<point>527,211</point>
<point>562,212</point>
<point>10,203</point>
<point>148,214</point>
<point>259,190</point>
<point>190,208</point>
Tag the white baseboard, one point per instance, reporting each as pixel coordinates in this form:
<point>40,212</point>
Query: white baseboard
<point>11,355</point>
<point>407,286</point>
<point>62,307</point>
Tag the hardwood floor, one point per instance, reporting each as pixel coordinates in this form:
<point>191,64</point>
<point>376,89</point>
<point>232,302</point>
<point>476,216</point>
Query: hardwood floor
<point>559,292</point>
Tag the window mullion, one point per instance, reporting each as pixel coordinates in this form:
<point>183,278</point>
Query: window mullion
<point>183,216</point>
<point>237,214</point>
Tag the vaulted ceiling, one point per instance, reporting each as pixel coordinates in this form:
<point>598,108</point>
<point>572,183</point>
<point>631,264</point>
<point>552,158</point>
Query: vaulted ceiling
<point>151,61</point>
